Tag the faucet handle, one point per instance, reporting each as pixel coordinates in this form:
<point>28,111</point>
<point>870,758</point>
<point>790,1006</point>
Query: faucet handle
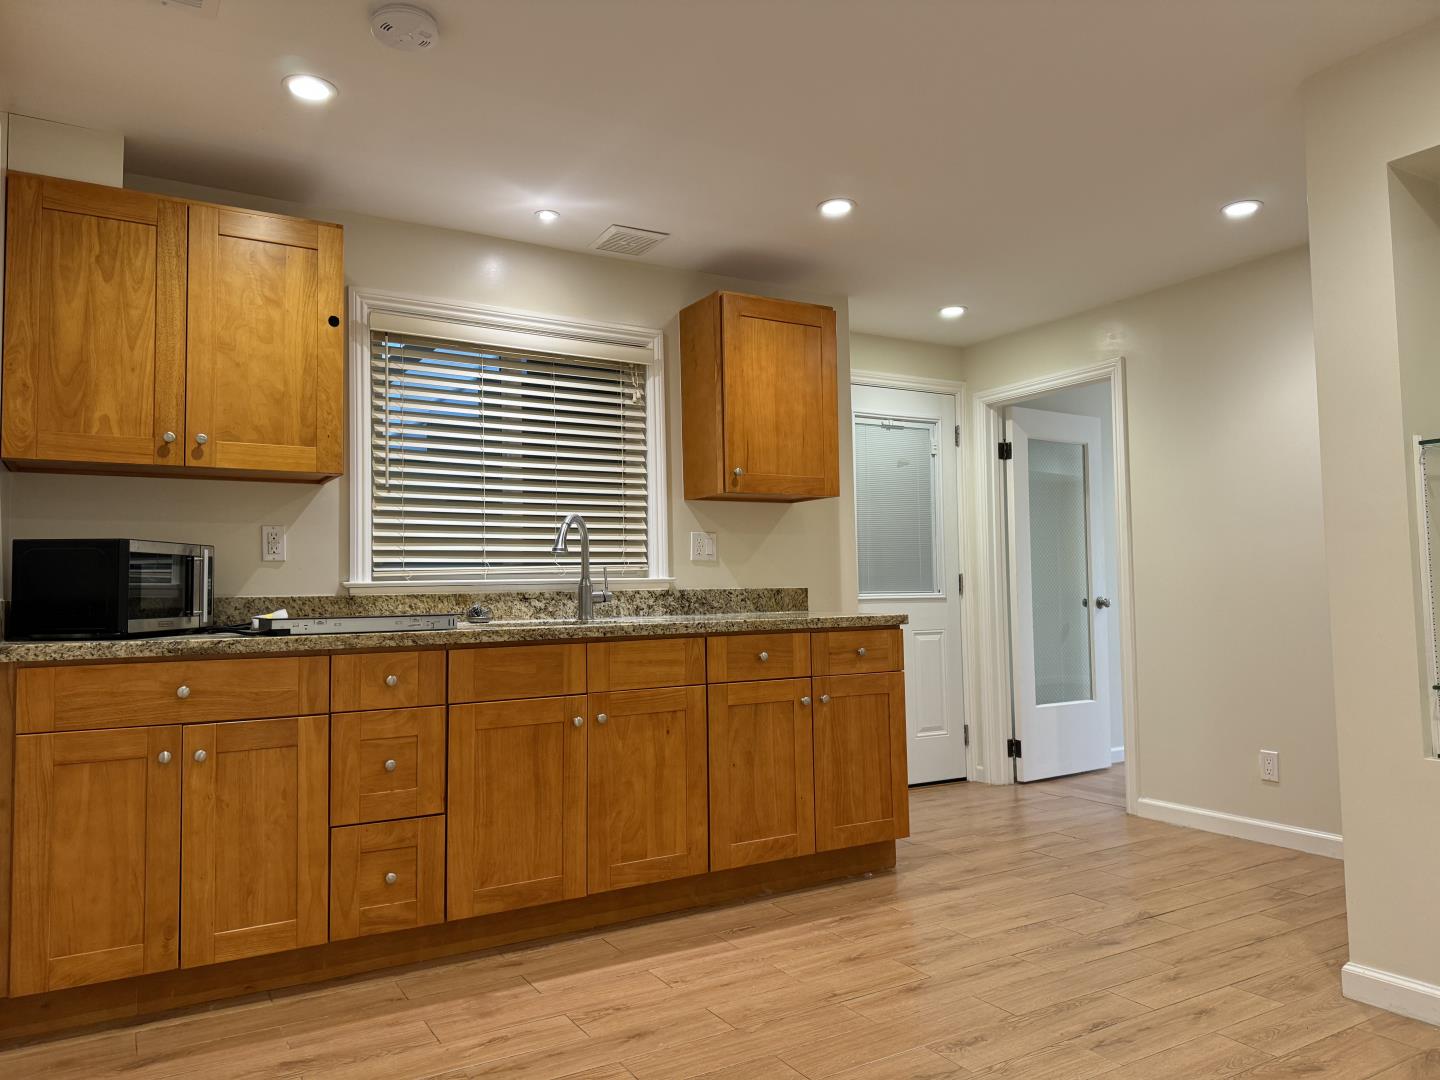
<point>604,595</point>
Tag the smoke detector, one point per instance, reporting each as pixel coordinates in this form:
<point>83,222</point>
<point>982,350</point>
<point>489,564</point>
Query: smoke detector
<point>400,26</point>
<point>627,240</point>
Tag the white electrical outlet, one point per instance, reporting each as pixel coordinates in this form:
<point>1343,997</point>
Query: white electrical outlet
<point>702,547</point>
<point>272,543</point>
<point>1270,766</point>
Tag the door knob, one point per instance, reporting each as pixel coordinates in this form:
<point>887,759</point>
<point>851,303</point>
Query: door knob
<point>169,436</point>
<point>201,439</point>
<point>164,757</point>
<point>601,718</point>
<point>1102,602</point>
<point>392,680</point>
<point>200,756</point>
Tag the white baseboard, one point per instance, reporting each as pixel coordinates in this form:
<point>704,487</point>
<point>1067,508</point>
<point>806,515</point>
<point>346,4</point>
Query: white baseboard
<point>1265,832</point>
<point>1394,993</point>
<point>1117,755</point>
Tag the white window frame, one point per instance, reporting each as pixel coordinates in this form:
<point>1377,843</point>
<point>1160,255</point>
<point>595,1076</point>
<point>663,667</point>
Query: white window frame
<point>650,350</point>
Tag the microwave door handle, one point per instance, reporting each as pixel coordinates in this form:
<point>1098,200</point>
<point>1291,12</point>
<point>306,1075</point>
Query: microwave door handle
<point>207,580</point>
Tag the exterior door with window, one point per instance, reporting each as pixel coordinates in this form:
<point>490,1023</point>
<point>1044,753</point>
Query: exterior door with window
<point>1059,662</point>
<point>907,518</point>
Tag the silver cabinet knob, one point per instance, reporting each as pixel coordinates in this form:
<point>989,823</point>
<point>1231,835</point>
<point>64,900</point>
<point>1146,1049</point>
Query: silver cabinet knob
<point>578,721</point>
<point>860,651</point>
<point>824,699</point>
<point>182,692</point>
<point>1102,602</point>
<point>390,765</point>
<point>737,472</point>
<point>392,680</point>
<point>391,878</point>
<point>200,755</point>
<point>169,436</point>
<point>601,718</point>
<point>805,700</point>
<point>764,657</point>
<point>163,757</point>
<point>201,439</point>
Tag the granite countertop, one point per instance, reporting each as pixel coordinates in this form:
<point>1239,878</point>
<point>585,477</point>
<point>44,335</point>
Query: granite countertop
<point>510,631</point>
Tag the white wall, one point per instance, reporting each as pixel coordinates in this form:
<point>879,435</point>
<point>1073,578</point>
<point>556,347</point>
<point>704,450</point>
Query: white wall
<point>805,544</point>
<point>1380,107</point>
<point>1093,399</point>
<point>75,153</point>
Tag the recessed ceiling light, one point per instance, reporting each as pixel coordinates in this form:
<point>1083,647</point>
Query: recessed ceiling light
<point>547,216</point>
<point>836,208</point>
<point>310,87</point>
<point>1243,208</point>
<point>954,311</point>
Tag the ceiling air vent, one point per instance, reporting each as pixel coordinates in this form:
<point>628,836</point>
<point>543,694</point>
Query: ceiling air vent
<point>625,240</point>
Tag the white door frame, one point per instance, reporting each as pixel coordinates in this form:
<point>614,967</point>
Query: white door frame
<point>955,389</point>
<point>989,697</point>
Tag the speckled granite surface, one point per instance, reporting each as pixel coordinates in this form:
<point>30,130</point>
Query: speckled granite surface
<point>495,633</point>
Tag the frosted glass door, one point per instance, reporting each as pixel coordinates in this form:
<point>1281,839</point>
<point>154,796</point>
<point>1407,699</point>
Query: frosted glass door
<point>1060,571</point>
<point>897,520</point>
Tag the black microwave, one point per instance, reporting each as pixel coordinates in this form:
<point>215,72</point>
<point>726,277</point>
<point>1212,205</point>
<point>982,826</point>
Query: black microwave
<point>108,588</point>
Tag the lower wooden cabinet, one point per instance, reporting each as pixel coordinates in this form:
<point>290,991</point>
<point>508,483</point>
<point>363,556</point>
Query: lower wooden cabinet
<point>387,765</point>
<point>762,779</point>
<point>96,883</point>
<point>256,830</point>
<point>386,876</point>
<point>516,808</point>
<point>647,781</point>
<point>861,786</point>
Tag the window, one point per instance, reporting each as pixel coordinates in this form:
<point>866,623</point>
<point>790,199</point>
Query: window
<point>481,430</point>
<point>897,500</point>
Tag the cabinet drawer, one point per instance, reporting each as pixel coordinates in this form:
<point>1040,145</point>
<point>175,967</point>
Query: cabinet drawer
<point>858,652</point>
<point>507,672</point>
<point>748,657</point>
<point>171,692</point>
<point>386,765</point>
<point>645,665</point>
<point>387,876</point>
<point>389,680</point>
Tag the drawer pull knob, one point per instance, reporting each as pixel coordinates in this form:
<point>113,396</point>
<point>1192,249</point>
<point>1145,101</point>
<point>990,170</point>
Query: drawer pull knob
<point>200,756</point>
<point>163,757</point>
<point>764,656</point>
<point>169,436</point>
<point>183,692</point>
<point>805,700</point>
<point>860,651</point>
<point>392,680</point>
<point>824,699</point>
<point>390,765</point>
<point>600,719</point>
<point>391,878</point>
<point>578,721</point>
<point>201,439</point>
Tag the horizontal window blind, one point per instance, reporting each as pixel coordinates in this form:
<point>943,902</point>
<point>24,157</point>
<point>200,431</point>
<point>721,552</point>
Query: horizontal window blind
<point>477,454</point>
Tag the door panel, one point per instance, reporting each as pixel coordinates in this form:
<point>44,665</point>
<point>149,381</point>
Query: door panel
<point>256,838</point>
<point>647,787</point>
<point>762,779</point>
<point>516,819</point>
<point>861,792</point>
<point>97,857</point>
<point>95,323</point>
<point>264,366</point>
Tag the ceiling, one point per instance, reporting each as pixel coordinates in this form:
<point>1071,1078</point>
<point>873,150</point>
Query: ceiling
<point>1026,158</point>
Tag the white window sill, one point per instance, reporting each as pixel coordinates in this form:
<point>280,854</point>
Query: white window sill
<point>399,588</point>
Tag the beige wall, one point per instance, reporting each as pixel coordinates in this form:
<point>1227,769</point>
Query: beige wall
<point>1230,603</point>
<point>806,544</point>
<point>1361,116</point>
<point>893,356</point>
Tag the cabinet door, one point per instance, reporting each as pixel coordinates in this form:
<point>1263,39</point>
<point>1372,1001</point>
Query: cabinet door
<point>255,838</point>
<point>516,811</point>
<point>647,787</point>
<point>264,374</point>
<point>762,780</point>
<point>861,790</point>
<point>94,324</point>
<point>780,400</point>
<point>97,857</point>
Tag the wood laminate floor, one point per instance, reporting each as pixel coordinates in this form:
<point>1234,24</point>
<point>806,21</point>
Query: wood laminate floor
<point>1029,932</point>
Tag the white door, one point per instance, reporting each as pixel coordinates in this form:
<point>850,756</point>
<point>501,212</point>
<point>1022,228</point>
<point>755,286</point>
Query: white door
<point>907,518</point>
<point>1057,594</point>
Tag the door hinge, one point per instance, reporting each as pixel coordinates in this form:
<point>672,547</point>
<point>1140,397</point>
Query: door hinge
<point>961,585</point>
<point>1007,450</point>
<point>967,734</point>
<point>1012,748</point>
<point>957,434</point>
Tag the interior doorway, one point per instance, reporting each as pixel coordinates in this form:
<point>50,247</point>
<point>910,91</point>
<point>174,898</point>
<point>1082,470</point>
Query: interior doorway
<point>908,550</point>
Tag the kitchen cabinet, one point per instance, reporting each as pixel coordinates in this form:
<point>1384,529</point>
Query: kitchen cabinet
<point>762,781</point>
<point>386,876</point>
<point>861,786</point>
<point>516,815</point>
<point>96,883</point>
<point>647,787</point>
<point>386,764</point>
<point>255,838</point>
<point>760,408</point>
<point>147,334</point>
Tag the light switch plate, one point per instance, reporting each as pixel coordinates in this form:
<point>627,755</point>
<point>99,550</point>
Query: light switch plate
<point>702,547</point>
<point>272,543</point>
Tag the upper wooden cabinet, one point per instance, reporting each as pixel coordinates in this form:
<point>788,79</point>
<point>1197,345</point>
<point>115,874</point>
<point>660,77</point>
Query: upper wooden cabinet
<point>761,412</point>
<point>152,334</point>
